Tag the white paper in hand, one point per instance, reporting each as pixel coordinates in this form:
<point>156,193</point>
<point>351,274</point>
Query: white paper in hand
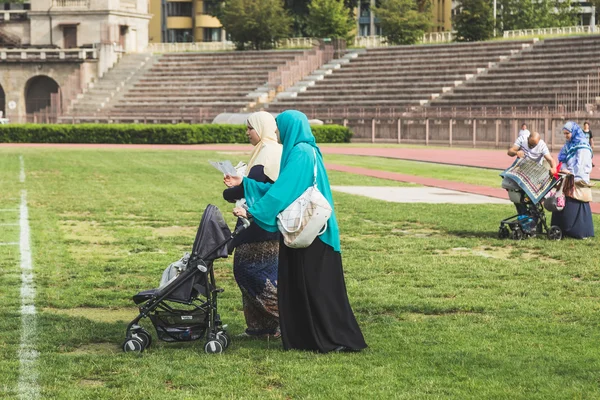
<point>225,167</point>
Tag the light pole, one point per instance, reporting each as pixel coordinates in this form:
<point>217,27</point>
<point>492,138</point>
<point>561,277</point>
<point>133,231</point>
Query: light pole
<point>494,18</point>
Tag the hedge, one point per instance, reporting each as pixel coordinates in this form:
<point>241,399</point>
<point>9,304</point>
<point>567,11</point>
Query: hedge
<point>147,134</point>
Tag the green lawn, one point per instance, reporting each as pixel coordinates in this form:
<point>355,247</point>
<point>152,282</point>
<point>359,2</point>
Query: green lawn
<point>448,310</point>
<point>476,176</point>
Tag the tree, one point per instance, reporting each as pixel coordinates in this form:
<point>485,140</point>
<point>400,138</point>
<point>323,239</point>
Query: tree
<point>329,19</point>
<point>531,14</point>
<point>259,23</point>
<point>474,21</point>
<point>401,21</point>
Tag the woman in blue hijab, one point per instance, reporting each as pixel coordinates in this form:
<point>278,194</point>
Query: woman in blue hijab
<point>314,311</point>
<point>575,219</point>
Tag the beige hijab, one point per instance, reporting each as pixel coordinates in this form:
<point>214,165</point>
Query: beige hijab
<point>267,152</point>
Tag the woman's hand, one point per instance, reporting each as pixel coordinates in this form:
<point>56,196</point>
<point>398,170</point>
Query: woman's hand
<point>231,181</point>
<point>240,212</point>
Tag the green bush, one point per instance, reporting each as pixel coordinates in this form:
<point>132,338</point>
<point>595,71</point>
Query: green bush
<point>147,134</point>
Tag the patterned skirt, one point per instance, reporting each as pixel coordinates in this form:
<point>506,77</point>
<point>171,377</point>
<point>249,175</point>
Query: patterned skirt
<point>255,270</point>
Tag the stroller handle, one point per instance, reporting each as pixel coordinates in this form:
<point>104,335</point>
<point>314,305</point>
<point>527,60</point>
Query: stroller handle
<point>245,224</point>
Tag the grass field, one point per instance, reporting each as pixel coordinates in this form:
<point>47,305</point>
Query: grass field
<point>448,310</point>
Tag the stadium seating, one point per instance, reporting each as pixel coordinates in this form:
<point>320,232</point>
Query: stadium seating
<point>398,77</point>
<point>531,79</point>
<point>185,85</point>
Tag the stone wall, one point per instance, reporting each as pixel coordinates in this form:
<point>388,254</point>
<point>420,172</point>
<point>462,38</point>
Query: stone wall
<point>14,78</point>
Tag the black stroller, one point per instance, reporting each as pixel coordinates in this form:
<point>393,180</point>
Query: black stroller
<point>531,221</point>
<point>185,308</point>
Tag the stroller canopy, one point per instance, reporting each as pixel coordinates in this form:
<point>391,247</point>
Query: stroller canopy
<point>212,231</point>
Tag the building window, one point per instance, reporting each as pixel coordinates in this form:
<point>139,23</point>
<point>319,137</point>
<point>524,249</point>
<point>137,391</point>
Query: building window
<point>209,6</point>
<point>179,9</point>
<point>179,35</point>
<point>212,34</point>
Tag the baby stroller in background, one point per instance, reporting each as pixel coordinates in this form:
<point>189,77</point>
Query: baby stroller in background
<point>194,288</point>
<point>531,221</point>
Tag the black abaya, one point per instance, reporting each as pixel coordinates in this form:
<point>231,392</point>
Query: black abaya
<point>314,310</point>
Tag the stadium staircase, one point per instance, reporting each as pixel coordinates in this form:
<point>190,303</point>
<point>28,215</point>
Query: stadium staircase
<point>101,96</point>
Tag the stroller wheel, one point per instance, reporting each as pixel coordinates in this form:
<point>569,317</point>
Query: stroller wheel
<point>503,232</point>
<point>554,233</point>
<point>517,234</point>
<point>144,336</point>
<point>213,347</point>
<point>133,345</point>
<point>223,337</point>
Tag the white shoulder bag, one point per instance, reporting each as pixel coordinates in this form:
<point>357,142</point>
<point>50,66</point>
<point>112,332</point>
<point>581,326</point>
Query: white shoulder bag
<point>306,218</point>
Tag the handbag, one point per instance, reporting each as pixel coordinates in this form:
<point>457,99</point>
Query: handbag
<point>306,218</point>
<point>555,202</point>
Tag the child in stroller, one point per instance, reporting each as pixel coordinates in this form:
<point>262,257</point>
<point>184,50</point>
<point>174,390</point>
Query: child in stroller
<point>185,308</point>
<point>527,193</point>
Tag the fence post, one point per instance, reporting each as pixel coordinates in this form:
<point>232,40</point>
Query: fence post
<point>497,133</point>
<point>552,137</point>
<point>399,130</point>
<point>373,130</point>
<point>450,132</point>
<point>474,132</point>
<point>426,131</point>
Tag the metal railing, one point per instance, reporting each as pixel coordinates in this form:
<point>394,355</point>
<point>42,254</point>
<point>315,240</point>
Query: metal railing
<point>551,31</point>
<point>71,3</point>
<point>13,15</point>
<point>438,37</point>
<point>584,98</point>
<point>48,54</point>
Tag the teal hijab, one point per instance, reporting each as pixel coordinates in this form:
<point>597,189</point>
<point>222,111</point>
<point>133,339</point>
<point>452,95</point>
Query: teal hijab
<point>296,174</point>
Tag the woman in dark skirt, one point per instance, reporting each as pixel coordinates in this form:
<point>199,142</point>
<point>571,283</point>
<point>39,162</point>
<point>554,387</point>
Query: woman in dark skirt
<point>575,220</point>
<point>314,311</point>
<point>256,250</point>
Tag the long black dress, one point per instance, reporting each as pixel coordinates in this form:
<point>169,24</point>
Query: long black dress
<point>575,220</point>
<point>314,311</point>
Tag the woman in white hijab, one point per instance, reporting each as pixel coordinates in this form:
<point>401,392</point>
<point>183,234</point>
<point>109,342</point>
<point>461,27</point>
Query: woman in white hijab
<point>256,251</point>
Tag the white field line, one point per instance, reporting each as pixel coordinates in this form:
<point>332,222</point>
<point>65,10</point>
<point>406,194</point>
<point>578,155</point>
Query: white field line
<point>28,374</point>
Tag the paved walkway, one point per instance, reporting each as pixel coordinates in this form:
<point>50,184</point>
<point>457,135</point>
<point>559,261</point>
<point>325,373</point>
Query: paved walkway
<point>496,159</point>
<point>451,185</point>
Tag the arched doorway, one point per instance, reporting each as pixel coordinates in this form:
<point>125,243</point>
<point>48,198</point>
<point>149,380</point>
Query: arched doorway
<point>2,102</point>
<point>38,93</point>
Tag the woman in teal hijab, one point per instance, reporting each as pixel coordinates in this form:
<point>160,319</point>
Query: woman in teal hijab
<point>314,310</point>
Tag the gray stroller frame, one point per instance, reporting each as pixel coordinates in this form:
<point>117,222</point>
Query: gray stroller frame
<point>195,288</point>
<point>514,227</point>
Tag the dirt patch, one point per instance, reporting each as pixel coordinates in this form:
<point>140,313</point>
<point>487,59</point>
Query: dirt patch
<point>97,314</point>
<point>91,383</point>
<point>499,253</point>
<point>85,231</point>
<point>169,231</point>
<point>415,229</point>
<point>97,348</point>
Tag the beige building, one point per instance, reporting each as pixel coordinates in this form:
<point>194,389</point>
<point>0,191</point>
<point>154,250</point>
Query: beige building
<point>183,21</point>
<point>52,49</point>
